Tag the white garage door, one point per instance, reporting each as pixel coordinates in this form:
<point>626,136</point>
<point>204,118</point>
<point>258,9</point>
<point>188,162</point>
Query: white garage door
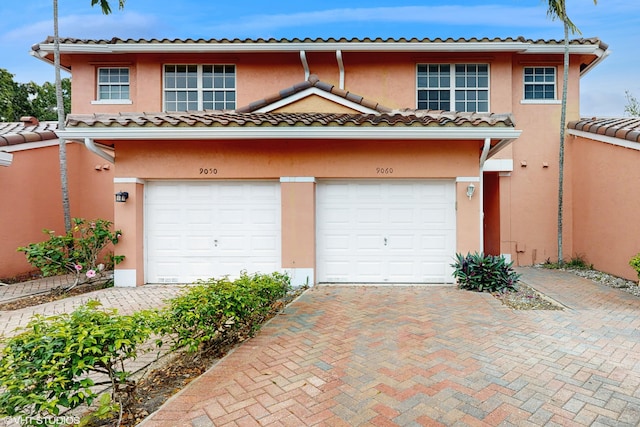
<point>198,230</point>
<point>385,231</point>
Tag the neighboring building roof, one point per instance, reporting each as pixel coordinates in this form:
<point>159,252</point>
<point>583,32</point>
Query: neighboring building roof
<point>621,128</point>
<point>28,129</point>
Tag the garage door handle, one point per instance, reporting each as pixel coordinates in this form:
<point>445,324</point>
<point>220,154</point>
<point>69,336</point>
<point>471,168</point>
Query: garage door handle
<point>385,241</point>
<point>215,243</point>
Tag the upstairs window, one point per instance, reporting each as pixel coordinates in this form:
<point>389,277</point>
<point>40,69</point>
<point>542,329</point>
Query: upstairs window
<point>199,87</point>
<point>453,87</point>
<point>113,84</point>
<point>539,83</point>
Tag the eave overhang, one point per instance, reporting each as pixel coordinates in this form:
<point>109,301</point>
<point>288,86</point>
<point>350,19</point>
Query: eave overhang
<point>307,47</point>
<point>290,133</point>
<point>594,47</point>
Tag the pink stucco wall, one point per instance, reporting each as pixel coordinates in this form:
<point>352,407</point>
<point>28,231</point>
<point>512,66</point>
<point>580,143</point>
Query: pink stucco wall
<point>31,197</point>
<point>529,195</point>
<point>524,216</point>
<point>271,160</point>
<point>606,230</point>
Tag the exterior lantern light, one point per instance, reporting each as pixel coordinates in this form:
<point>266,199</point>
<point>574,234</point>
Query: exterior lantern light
<point>122,196</point>
<point>470,190</point>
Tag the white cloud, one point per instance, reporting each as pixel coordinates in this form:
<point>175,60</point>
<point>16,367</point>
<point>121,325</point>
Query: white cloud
<point>485,15</point>
<point>92,26</point>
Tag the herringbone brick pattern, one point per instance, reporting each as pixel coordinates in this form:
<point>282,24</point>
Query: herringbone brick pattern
<point>409,356</point>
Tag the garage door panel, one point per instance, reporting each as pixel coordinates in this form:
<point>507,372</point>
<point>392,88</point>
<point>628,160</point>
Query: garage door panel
<point>165,217</point>
<point>211,229</point>
<point>197,217</point>
<point>338,217</point>
<point>264,217</point>
<point>336,242</point>
<point>397,242</point>
<point>401,231</point>
<point>198,244</point>
<point>368,242</point>
<point>198,193</point>
<point>365,191</point>
<point>264,244</point>
<point>231,216</point>
<point>369,216</point>
<point>435,243</point>
<point>368,269</point>
<point>440,217</point>
<point>402,217</point>
<point>402,271</point>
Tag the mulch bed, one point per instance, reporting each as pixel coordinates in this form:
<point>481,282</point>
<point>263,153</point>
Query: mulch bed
<point>527,298</point>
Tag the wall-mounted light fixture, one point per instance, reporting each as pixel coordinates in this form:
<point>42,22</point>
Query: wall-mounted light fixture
<point>470,190</point>
<point>122,196</point>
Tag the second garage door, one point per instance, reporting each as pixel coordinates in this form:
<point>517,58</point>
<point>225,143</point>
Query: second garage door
<point>198,230</point>
<point>385,231</point>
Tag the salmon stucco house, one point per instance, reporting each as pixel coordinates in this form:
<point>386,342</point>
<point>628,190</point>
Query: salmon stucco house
<point>338,161</point>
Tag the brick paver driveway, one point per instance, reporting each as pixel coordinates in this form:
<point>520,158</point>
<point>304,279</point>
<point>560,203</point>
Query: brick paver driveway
<point>348,356</point>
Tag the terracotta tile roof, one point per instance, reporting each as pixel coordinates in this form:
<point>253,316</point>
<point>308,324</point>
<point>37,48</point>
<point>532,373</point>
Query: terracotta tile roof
<point>354,41</point>
<point>433,118</point>
<point>29,129</point>
<point>623,128</point>
<point>313,81</point>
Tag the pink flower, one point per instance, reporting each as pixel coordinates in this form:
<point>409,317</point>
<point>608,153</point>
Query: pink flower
<point>91,274</point>
<point>78,267</point>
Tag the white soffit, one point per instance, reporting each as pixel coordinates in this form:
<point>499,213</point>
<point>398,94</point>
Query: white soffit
<point>451,46</point>
<point>310,132</point>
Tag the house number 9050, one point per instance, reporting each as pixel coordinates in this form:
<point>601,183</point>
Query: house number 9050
<point>208,171</point>
<point>384,171</point>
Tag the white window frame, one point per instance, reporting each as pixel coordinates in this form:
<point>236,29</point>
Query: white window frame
<point>553,100</point>
<point>453,88</point>
<point>112,101</point>
<point>199,88</point>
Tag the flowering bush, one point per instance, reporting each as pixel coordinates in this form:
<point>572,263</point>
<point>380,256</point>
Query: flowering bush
<point>81,251</point>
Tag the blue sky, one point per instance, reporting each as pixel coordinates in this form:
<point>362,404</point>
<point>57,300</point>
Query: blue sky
<point>616,22</point>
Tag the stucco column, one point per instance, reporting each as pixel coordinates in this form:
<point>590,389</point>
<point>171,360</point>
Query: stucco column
<point>128,218</point>
<point>298,198</point>
<point>468,218</point>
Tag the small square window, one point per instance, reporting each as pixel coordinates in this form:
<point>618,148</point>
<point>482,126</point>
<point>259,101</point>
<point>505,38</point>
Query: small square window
<point>539,83</point>
<point>113,84</point>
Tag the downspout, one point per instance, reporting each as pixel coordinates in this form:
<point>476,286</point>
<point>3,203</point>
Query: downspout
<point>340,67</point>
<point>483,159</point>
<point>88,142</point>
<point>305,64</point>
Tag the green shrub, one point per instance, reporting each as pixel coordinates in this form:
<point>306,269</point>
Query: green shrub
<point>220,310</point>
<point>480,272</point>
<point>635,263</point>
<point>46,368</point>
<point>578,262</point>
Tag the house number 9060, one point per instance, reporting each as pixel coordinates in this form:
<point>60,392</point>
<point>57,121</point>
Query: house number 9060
<point>208,171</point>
<point>384,171</point>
